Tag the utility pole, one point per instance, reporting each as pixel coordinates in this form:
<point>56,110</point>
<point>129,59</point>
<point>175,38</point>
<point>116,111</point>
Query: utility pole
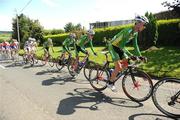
<point>17,19</point>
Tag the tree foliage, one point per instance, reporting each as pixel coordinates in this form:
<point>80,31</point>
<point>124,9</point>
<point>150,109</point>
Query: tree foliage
<point>69,27</point>
<point>53,31</point>
<point>174,6</point>
<point>27,28</point>
<point>149,36</point>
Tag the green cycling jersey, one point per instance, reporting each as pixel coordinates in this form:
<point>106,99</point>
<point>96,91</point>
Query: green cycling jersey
<point>67,42</point>
<point>121,39</point>
<point>83,41</point>
<point>47,44</point>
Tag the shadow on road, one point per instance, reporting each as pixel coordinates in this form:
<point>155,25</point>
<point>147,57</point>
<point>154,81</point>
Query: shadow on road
<point>150,116</point>
<point>58,80</point>
<point>84,95</point>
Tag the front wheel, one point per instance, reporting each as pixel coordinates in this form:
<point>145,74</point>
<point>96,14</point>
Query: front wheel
<point>166,96</point>
<point>71,67</point>
<point>86,70</point>
<point>44,60</point>
<point>51,61</point>
<point>137,85</point>
<point>59,63</point>
<point>98,79</point>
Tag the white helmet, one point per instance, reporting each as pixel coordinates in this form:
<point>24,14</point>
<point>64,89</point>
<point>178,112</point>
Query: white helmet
<point>30,39</point>
<point>72,35</point>
<point>90,32</point>
<point>49,40</point>
<point>33,39</point>
<point>141,19</point>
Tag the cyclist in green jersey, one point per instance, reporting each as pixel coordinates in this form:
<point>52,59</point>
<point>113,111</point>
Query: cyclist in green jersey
<point>66,44</point>
<point>80,44</point>
<point>118,50</point>
<point>46,45</point>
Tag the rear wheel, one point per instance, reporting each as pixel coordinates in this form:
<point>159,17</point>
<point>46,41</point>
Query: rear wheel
<point>166,96</point>
<point>137,85</point>
<point>59,63</point>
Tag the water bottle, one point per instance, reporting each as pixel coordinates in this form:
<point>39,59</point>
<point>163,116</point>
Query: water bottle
<point>81,63</point>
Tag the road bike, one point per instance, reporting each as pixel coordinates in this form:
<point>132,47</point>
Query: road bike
<point>63,60</point>
<point>30,58</point>
<point>47,58</point>
<point>84,64</point>
<point>166,96</point>
<point>136,84</point>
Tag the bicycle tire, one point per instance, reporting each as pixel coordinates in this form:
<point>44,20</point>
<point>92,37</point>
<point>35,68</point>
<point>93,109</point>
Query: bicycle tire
<point>87,68</point>
<point>142,87</point>
<point>169,110</point>
<point>59,63</point>
<point>44,60</point>
<point>70,68</point>
<point>51,61</point>
<point>31,61</point>
<point>25,59</point>
<point>99,79</point>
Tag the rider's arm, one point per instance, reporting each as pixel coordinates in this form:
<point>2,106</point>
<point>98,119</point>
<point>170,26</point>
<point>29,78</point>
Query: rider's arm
<point>136,47</point>
<point>91,45</point>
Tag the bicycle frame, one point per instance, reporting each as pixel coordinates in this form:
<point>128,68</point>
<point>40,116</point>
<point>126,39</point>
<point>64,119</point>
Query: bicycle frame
<point>82,63</point>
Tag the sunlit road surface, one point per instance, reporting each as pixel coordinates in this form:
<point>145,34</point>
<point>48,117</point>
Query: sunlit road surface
<point>43,93</point>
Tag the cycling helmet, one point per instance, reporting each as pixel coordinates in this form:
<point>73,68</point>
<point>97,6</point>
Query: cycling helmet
<point>50,40</point>
<point>72,35</point>
<point>90,32</point>
<point>30,39</point>
<point>141,19</point>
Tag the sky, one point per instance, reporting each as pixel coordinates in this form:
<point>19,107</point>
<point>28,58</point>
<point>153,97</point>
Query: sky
<point>55,14</point>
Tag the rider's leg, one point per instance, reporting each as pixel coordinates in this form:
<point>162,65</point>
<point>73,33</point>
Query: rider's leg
<point>118,68</point>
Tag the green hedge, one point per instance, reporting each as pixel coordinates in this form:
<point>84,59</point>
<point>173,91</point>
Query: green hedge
<point>57,39</point>
<point>169,33</point>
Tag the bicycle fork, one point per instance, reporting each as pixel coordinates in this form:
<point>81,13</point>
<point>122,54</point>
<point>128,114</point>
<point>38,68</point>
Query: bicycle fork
<point>174,99</point>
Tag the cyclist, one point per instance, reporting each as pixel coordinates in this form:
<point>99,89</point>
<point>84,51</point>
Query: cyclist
<point>14,46</point>
<point>33,46</point>
<point>80,45</point>
<point>46,45</point>
<point>66,44</point>
<point>117,48</point>
<point>6,46</point>
<point>27,46</point>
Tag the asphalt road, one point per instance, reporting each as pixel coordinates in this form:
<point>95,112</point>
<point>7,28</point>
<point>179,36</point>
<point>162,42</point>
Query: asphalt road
<point>43,93</point>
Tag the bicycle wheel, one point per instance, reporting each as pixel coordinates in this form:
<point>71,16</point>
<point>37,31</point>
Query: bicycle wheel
<point>35,58</point>
<point>98,79</point>
<point>51,61</point>
<point>137,85</point>
<point>44,60</point>
<point>59,63</point>
<point>164,96</point>
<point>31,60</point>
<point>86,70</point>
<point>25,60</point>
<point>70,66</point>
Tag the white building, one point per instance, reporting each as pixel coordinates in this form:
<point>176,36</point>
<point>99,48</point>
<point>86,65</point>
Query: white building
<point>109,23</point>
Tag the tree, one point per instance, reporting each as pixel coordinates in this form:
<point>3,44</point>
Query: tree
<point>27,28</point>
<point>69,27</point>
<point>149,36</point>
<point>174,6</point>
